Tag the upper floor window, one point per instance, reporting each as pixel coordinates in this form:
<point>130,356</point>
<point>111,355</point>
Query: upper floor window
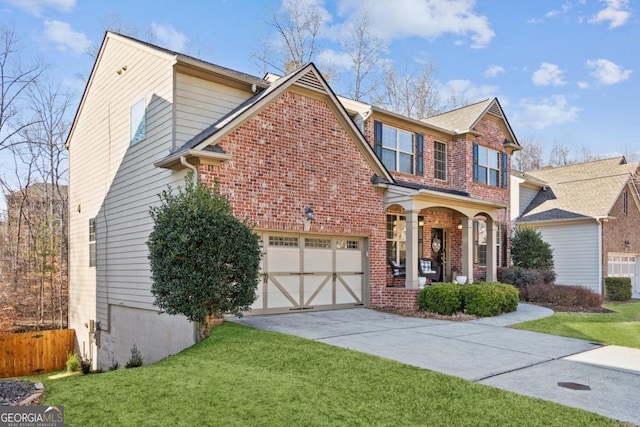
<point>398,149</point>
<point>138,121</point>
<point>625,203</point>
<point>440,160</point>
<point>489,166</point>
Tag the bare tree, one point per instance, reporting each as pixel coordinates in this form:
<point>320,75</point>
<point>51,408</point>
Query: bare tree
<point>530,157</point>
<point>559,155</point>
<point>414,94</point>
<point>16,78</point>
<point>365,50</point>
<point>298,27</point>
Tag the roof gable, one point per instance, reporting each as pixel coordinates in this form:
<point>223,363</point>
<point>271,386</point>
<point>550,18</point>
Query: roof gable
<point>465,119</point>
<point>306,78</point>
<point>585,190</point>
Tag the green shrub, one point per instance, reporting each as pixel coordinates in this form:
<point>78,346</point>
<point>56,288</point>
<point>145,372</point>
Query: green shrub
<point>85,366</point>
<point>529,250</point>
<point>618,288</point>
<point>73,362</point>
<point>441,298</point>
<point>489,299</point>
<point>570,297</point>
<point>136,358</point>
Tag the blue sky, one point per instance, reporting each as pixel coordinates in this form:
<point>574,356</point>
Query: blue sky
<point>564,71</point>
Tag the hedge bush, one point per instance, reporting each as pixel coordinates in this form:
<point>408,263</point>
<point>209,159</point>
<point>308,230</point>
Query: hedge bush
<point>490,299</point>
<point>441,298</point>
<point>618,288</point>
<point>480,299</point>
<point>522,278</point>
<point>564,296</point>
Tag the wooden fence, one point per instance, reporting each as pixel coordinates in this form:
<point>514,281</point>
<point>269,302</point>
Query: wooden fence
<point>35,353</point>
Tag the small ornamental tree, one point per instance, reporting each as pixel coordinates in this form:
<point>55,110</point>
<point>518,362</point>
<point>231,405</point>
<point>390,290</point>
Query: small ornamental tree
<point>528,250</point>
<point>203,260</point>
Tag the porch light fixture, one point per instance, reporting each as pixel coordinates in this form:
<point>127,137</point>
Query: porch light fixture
<point>308,213</point>
<point>627,244</point>
<point>459,226</point>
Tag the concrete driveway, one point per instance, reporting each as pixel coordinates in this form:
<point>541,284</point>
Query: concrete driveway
<point>568,371</point>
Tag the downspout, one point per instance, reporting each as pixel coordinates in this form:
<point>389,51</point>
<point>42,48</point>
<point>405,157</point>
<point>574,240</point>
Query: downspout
<point>183,162</point>
<point>599,221</point>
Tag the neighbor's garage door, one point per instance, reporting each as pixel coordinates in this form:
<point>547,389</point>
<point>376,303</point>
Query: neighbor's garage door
<point>310,272</point>
<point>625,265</point>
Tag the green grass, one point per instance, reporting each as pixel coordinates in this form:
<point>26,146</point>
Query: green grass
<point>619,328</point>
<point>246,377</point>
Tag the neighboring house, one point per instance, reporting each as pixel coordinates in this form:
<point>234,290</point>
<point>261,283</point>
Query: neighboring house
<point>590,215</point>
<point>336,188</point>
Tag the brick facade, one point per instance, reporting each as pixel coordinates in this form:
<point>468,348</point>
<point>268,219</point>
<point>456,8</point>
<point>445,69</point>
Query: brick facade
<point>623,227</point>
<point>295,154</point>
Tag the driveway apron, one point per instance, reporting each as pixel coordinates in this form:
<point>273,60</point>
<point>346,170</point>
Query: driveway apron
<point>563,370</point>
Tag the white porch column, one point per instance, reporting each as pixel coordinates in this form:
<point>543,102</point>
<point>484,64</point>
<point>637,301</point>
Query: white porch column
<point>492,271</point>
<point>411,263</point>
<point>467,248</point>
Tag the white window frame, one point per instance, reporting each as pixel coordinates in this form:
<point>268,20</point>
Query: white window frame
<point>396,237</point>
<point>486,166</point>
<point>395,145</point>
<point>441,161</point>
<point>138,121</point>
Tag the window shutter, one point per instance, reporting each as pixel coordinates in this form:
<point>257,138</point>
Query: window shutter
<point>505,170</point>
<point>419,154</point>
<point>377,138</point>
<point>475,162</point>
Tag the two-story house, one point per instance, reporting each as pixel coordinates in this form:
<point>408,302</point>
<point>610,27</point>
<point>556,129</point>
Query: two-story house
<point>589,213</point>
<point>336,189</point>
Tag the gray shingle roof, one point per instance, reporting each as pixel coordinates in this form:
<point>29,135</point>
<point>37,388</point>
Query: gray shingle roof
<point>585,190</point>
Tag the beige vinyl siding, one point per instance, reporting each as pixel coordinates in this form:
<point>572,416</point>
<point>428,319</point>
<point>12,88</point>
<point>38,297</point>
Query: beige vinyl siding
<point>575,253</point>
<point>200,103</point>
<point>110,177</point>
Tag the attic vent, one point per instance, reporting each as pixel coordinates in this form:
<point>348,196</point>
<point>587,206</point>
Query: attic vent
<point>495,110</point>
<point>311,81</point>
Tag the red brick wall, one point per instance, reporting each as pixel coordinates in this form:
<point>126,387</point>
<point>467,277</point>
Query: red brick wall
<point>620,228</point>
<point>294,154</point>
<point>400,298</point>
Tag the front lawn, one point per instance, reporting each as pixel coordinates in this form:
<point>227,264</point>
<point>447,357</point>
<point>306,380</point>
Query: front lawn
<point>619,328</point>
<point>245,377</point>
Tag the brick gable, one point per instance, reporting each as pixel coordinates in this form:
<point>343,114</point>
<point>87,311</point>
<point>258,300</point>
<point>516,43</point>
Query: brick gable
<point>294,153</point>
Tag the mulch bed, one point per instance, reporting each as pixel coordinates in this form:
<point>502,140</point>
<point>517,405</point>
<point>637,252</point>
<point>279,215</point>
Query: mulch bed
<point>13,392</point>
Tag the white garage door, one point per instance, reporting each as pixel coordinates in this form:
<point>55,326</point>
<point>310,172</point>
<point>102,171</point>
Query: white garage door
<point>310,272</point>
<point>625,265</point>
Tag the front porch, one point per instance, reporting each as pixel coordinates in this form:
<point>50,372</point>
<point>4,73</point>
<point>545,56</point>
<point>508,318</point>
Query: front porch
<point>463,238</point>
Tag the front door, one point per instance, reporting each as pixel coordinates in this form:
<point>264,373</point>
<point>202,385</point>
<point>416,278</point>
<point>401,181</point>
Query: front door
<point>438,249</point>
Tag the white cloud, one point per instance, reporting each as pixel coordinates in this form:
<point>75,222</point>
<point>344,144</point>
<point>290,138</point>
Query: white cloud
<point>427,19</point>
<point>466,92</point>
<point>548,75</point>
<point>555,12</point>
<point>616,13</point>
<point>338,60</point>
<point>65,38</point>
<point>36,7</point>
<point>583,85</point>
<point>169,37</point>
<point>541,113</point>
<point>607,72</point>
<point>493,71</point>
